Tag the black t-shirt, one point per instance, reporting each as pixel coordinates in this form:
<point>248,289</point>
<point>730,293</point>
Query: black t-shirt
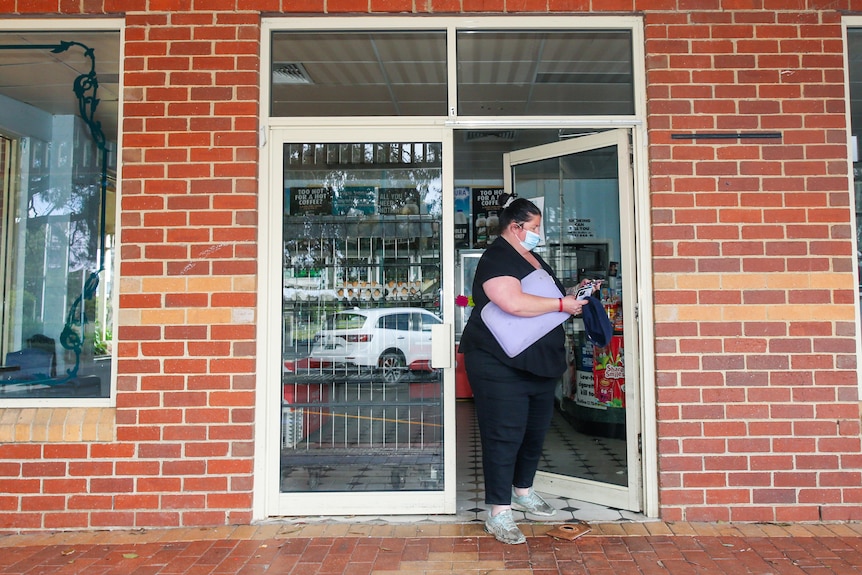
<point>547,356</point>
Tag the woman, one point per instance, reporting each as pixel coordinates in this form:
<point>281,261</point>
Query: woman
<point>513,396</point>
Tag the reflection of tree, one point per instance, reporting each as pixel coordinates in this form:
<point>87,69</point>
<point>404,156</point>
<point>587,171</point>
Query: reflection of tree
<point>79,211</point>
<point>62,240</point>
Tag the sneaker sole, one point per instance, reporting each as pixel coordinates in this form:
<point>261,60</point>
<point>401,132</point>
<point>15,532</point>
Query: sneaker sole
<point>517,507</point>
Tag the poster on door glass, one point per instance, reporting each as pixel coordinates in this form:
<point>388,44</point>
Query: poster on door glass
<point>308,200</point>
<point>354,201</point>
<point>609,373</point>
<point>462,215</point>
<point>486,210</point>
<point>398,201</point>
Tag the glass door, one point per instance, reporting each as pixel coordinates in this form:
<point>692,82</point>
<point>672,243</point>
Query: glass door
<point>583,185</point>
<point>361,393</point>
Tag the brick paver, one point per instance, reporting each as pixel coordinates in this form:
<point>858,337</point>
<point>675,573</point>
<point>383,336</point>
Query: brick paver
<point>337,549</point>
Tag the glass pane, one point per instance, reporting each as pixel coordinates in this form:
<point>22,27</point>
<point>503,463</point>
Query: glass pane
<point>514,73</point>
<point>57,216</point>
<point>854,56</point>
<point>358,73</point>
<point>362,407</point>
<point>582,231</point>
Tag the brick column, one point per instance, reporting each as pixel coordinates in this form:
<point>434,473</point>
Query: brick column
<point>188,293</point>
<point>753,259</point>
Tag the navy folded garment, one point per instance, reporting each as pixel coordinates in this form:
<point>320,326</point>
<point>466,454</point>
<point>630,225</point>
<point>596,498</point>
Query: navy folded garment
<point>596,322</point>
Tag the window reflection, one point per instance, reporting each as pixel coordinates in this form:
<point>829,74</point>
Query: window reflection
<point>57,231</point>
<point>361,405</point>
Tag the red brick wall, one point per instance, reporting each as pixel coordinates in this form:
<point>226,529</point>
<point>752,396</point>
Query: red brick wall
<point>189,231</point>
<point>184,447</point>
<point>756,370</point>
<point>753,254</point>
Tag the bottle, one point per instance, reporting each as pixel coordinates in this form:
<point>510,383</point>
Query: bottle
<point>493,225</point>
<point>481,231</point>
<point>461,229</point>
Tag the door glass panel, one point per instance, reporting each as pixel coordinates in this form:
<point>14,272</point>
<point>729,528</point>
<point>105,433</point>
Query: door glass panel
<point>361,406</point>
<point>582,231</point>
<point>854,57</point>
<point>545,72</point>
<point>381,73</point>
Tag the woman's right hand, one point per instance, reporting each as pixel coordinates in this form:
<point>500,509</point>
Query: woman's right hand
<point>573,305</point>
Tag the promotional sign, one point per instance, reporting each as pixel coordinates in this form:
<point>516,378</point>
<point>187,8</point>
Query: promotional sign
<point>584,384</point>
<point>462,215</point>
<point>585,391</point>
<point>311,200</point>
<point>398,201</point>
<point>354,201</point>
<point>486,209</point>
<point>609,373</point>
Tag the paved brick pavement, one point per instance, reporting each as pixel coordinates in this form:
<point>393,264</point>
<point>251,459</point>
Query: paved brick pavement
<point>649,548</point>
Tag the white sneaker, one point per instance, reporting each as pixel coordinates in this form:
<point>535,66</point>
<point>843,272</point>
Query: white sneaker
<point>532,503</point>
<point>502,527</point>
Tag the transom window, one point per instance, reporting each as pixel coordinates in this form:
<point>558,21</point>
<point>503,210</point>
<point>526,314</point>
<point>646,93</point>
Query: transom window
<point>405,73</point>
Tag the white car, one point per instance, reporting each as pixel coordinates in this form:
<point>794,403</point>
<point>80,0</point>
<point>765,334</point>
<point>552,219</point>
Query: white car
<point>392,340</point>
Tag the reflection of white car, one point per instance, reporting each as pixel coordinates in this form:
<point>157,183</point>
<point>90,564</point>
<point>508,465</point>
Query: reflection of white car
<point>391,339</point>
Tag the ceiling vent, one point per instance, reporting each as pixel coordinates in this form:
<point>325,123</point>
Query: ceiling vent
<point>489,136</point>
<point>290,73</point>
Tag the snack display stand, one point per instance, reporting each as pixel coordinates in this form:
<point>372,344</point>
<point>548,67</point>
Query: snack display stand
<point>593,391</point>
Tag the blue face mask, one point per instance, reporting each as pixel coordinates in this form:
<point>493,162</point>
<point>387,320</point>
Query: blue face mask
<point>531,240</point>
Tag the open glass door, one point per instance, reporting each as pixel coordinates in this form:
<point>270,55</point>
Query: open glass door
<point>363,411</point>
<point>585,190</point>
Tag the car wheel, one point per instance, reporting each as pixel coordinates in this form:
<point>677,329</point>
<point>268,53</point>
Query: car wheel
<point>392,366</point>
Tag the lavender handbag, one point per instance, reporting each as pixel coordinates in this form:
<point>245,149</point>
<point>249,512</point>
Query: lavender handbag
<point>515,333</point>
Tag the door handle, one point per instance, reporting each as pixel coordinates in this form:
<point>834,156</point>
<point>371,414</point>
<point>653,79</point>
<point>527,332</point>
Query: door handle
<point>442,345</point>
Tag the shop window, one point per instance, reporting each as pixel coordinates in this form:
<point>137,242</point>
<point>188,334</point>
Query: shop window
<point>58,125</point>
<point>500,73</point>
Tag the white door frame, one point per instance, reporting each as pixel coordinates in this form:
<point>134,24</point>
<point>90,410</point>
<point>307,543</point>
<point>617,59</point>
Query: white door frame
<point>277,503</point>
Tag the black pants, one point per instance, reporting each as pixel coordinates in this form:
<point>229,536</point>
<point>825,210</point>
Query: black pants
<point>514,410</point>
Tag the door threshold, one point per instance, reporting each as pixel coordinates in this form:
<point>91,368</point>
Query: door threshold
<point>472,512</point>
